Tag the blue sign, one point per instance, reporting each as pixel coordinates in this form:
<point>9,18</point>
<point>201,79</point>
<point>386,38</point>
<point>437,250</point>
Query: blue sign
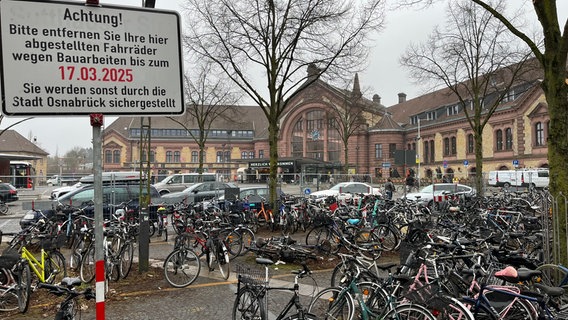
<point>307,191</point>
<point>445,163</point>
<point>466,163</point>
<point>516,163</point>
<point>386,164</point>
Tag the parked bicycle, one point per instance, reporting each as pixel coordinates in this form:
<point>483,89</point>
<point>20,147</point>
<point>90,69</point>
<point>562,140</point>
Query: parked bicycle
<point>4,209</point>
<point>15,284</point>
<point>253,287</point>
<point>70,308</point>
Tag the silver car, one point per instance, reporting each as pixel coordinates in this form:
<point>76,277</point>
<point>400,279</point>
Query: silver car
<point>428,194</point>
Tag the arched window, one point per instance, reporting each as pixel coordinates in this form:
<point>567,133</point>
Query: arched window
<point>315,135</point>
<point>168,156</point>
<point>539,134</point>
<point>446,146</point>
<point>508,139</point>
<point>454,146</point>
<point>432,151</point>
<point>470,143</point>
<point>177,156</point>
<point>219,156</point>
<point>108,156</point>
<point>195,156</point>
<point>116,156</point>
<point>426,153</point>
<point>499,140</point>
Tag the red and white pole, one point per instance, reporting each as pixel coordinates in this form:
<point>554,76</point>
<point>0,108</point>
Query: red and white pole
<point>96,123</point>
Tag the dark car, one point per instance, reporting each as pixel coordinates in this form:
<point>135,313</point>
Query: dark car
<point>112,194</point>
<point>199,192</point>
<point>253,196</point>
<point>8,193</point>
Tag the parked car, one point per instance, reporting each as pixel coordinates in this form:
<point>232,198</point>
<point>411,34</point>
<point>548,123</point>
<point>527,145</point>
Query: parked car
<point>58,192</point>
<point>83,197</point>
<point>180,181</point>
<point>253,195</point>
<point>8,193</point>
<point>198,192</point>
<point>346,190</point>
<point>426,195</point>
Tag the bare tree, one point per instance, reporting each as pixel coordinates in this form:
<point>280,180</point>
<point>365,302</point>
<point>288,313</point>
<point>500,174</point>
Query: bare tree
<point>348,119</point>
<point>279,40</point>
<point>209,99</point>
<point>552,58</point>
<point>476,60</point>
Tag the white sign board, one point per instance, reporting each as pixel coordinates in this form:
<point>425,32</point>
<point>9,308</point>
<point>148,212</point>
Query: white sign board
<point>68,58</point>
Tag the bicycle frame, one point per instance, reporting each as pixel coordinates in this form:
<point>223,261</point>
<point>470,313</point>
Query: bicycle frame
<point>38,267</point>
<point>481,299</point>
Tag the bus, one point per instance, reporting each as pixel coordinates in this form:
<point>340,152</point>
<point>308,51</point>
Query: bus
<point>21,174</point>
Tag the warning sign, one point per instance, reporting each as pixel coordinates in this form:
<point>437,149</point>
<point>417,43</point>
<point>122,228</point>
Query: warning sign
<point>68,58</point>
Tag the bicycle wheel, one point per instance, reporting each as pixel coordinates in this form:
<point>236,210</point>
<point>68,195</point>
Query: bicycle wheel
<point>248,305</point>
<point>554,276</point>
<point>126,257</point>
<point>369,244</point>
<point>447,308</point>
<point>322,237</point>
<point>181,267</point>
<point>409,312</point>
<point>223,260</point>
<point>24,283</point>
<point>388,237</point>
<point>8,300</point>
<point>332,303</point>
<point>481,312</point>
<point>4,208</point>
<point>152,226</point>
<point>55,268</point>
<point>234,243</point>
<point>520,309</point>
<point>247,238</point>
<point>87,269</point>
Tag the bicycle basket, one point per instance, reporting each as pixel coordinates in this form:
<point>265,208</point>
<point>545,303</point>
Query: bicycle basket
<point>53,242</point>
<point>426,294</point>
<point>322,220</point>
<point>251,275</point>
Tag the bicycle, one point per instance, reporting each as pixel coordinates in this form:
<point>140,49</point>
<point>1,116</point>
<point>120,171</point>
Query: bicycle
<point>265,215</point>
<point>182,266</point>
<point>4,207</point>
<point>15,283</point>
<point>162,223</point>
<point>51,266</point>
<point>340,302</point>
<point>217,253</point>
<point>69,309</point>
<point>251,300</point>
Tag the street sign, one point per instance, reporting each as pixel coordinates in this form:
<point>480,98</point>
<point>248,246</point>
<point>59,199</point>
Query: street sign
<point>65,58</point>
<point>307,191</point>
<point>466,163</point>
<point>516,163</point>
<point>445,163</point>
<point>386,164</point>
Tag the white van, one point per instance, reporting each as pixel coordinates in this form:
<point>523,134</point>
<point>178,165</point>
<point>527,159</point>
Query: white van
<point>180,181</point>
<point>502,178</point>
<point>537,178</point>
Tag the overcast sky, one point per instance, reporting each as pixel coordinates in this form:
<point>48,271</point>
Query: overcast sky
<point>384,75</point>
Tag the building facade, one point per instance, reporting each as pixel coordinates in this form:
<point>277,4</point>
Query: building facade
<point>431,127</point>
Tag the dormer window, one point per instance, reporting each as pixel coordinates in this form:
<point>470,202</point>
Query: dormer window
<point>414,120</point>
<point>452,110</point>
<point>510,96</point>
<point>431,115</point>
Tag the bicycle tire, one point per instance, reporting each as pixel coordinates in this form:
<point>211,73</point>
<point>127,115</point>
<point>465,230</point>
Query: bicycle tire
<point>223,260</point>
<point>4,208</point>
<point>369,244</point>
<point>319,235</point>
<point>409,311</point>
<point>126,258</point>
<point>55,268</point>
<point>234,243</point>
<point>326,304</point>
<point>554,276</point>
<point>87,269</point>
<point>181,268</point>
<point>305,316</point>
<point>247,239</point>
<point>248,305</point>
<point>8,300</point>
<point>152,228</point>
<point>24,284</point>
<point>389,238</point>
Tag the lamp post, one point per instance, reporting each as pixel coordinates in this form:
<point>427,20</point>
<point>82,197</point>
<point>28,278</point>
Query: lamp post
<point>418,148</point>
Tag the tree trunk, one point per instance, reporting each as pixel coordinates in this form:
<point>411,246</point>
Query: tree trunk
<point>346,159</point>
<point>273,145</point>
<point>478,138</point>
